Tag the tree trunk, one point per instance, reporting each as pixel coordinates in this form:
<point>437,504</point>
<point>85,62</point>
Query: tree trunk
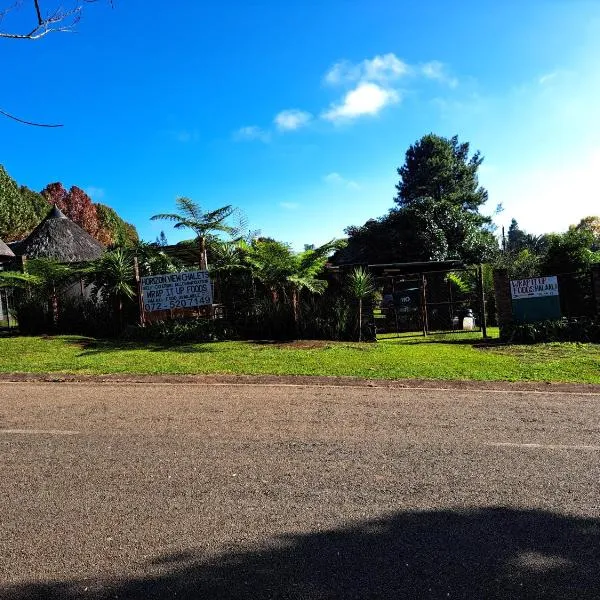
<point>295,309</point>
<point>203,262</point>
<point>360,319</point>
<point>54,309</point>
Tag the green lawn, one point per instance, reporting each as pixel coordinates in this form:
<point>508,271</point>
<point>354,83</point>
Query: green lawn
<point>452,356</point>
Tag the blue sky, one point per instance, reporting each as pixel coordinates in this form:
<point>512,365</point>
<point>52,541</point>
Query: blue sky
<point>299,113</point>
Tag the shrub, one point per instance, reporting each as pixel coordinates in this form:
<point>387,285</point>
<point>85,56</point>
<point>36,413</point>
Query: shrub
<point>561,330</point>
<point>181,330</point>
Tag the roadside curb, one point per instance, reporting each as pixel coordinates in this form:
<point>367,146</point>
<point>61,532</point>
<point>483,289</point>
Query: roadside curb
<point>302,380</point>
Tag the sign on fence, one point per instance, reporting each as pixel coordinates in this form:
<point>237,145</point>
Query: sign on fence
<point>534,288</point>
<point>176,290</point>
<point>535,299</point>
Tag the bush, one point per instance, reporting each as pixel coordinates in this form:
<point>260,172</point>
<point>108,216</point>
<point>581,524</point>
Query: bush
<point>86,316</point>
<point>181,330</point>
<point>561,330</point>
<point>31,315</point>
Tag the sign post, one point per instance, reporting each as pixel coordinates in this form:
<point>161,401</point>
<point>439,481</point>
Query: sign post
<point>535,299</point>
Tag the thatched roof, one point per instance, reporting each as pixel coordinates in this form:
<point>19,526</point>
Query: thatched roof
<point>5,252</point>
<point>60,238</point>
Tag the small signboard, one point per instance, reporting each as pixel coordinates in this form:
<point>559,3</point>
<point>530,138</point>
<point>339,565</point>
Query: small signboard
<point>407,300</point>
<point>536,287</point>
<point>535,299</point>
<point>189,289</point>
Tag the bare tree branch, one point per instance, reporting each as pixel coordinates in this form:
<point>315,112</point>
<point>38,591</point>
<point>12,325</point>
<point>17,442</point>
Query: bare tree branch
<point>61,20</point>
<point>4,113</point>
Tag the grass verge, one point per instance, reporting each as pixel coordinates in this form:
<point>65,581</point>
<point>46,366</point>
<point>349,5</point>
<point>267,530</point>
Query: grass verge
<point>452,357</point>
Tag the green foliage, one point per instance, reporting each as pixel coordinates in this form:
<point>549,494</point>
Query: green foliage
<point>425,230</point>
<point>569,252</point>
<point>459,282</point>
<point>82,316</point>
<point>111,276</point>
<point>282,271</point>
<point>438,215</point>
<point>440,168</point>
<point>174,331</point>
<point>20,209</point>
<point>35,204</point>
<point>202,223</point>
<point>519,240</point>
<point>591,224</point>
<point>527,255</point>
<point>15,279</point>
<point>520,265</point>
<point>360,283</point>
<point>119,233</point>
<point>561,330</point>
<point>361,287</point>
<point>152,259</point>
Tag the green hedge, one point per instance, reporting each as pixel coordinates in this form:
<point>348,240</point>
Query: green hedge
<point>182,330</point>
<point>561,330</point>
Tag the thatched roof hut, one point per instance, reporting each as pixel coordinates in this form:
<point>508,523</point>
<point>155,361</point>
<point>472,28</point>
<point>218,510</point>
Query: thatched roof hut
<point>60,238</point>
<point>6,254</point>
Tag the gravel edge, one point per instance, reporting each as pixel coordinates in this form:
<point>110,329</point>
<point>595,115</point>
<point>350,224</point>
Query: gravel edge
<point>301,380</point>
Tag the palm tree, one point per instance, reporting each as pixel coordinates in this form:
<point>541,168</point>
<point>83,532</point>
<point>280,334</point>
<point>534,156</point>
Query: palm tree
<point>285,273</point>
<point>191,216</point>
<point>361,286</point>
<point>112,276</point>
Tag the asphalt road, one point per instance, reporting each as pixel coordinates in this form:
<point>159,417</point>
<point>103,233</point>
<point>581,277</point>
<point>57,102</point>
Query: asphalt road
<point>145,491</point>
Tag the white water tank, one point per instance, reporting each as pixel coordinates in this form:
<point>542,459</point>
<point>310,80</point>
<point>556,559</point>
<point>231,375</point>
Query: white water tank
<point>468,323</point>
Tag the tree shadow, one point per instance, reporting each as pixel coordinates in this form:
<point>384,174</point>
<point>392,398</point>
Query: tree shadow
<point>489,553</point>
<point>445,339</point>
<point>93,346</point>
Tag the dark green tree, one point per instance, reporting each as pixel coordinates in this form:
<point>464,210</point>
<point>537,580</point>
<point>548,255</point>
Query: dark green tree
<point>516,237</point>
<point>21,209</point>
<point>437,217</point>
<point>113,230</point>
<point>569,252</point>
<point>440,168</point>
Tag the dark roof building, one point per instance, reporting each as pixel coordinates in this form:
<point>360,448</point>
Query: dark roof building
<point>6,254</point>
<point>60,238</point>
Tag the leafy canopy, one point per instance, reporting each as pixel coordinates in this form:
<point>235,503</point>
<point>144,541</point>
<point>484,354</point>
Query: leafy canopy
<point>191,216</point>
<point>440,168</point>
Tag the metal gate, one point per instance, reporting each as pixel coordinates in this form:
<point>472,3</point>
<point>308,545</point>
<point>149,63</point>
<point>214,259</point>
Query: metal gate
<point>433,302</point>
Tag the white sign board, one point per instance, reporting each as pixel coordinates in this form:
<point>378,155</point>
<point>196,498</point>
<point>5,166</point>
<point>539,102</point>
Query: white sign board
<point>176,290</point>
<point>534,288</point>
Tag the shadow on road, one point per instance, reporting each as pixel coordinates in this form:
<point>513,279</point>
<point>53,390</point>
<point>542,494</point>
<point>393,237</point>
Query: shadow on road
<point>491,553</point>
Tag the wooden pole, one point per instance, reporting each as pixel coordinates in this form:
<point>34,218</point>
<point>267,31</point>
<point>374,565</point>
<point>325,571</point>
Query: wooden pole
<point>482,301</point>
<point>424,304</point>
<point>140,294</point>
<point>7,309</point>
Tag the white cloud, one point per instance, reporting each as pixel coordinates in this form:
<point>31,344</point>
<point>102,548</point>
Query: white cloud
<point>365,99</point>
<point>184,135</point>
<point>370,85</point>
<point>382,68</point>
<point>95,193</point>
<point>436,70</point>
<point>547,78</point>
<point>252,132</point>
<point>336,179</point>
<point>289,120</point>
<point>289,205</point>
